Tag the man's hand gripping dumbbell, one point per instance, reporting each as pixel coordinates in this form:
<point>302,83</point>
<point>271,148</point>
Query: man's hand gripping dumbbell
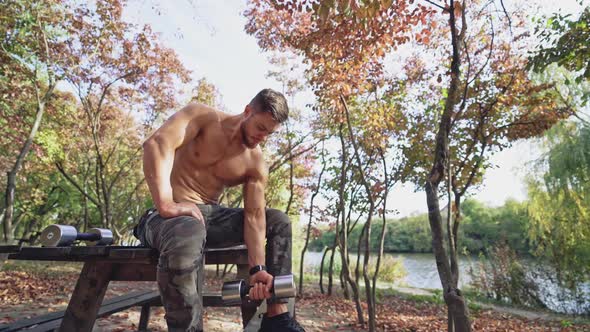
<point>262,286</point>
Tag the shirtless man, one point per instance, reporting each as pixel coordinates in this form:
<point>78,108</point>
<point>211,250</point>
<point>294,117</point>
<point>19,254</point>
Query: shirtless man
<point>187,163</point>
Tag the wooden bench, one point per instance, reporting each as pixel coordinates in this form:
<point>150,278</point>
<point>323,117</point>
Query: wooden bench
<point>117,263</point>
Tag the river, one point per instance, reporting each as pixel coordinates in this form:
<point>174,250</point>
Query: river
<point>421,272</point>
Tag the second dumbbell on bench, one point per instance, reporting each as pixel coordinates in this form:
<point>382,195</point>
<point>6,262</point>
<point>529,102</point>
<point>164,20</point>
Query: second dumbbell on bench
<point>235,292</point>
<point>65,235</point>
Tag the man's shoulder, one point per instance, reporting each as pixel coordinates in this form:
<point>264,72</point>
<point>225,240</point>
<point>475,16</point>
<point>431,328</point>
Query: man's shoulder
<point>204,112</point>
<point>258,167</point>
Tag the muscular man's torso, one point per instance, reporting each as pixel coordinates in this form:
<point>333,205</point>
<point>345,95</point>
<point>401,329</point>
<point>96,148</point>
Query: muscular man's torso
<point>209,163</point>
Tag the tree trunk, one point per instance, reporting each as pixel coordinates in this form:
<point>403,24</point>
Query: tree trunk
<point>9,210</point>
<point>383,226</point>
<point>335,245</point>
<point>331,268</point>
<point>9,199</point>
<point>344,243</point>
<point>315,193</point>
<point>457,308</point>
<point>291,183</point>
<point>322,269</point>
<point>368,288</point>
<point>344,286</point>
<point>86,215</point>
<point>367,227</point>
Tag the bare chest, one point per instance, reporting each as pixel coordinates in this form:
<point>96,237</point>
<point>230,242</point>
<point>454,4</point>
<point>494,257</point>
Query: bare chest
<point>211,155</point>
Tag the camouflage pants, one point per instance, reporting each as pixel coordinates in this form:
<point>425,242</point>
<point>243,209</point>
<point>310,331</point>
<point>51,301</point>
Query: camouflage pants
<point>181,240</point>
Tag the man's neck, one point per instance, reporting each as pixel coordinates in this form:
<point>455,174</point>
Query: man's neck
<point>231,127</point>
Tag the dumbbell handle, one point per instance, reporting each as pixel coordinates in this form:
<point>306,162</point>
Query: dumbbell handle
<point>88,236</point>
<point>245,291</point>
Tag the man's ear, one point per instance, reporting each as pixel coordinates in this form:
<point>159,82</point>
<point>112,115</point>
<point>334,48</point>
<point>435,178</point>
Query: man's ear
<point>247,110</point>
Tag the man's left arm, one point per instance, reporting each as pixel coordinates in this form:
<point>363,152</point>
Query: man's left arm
<point>255,220</point>
<point>255,230</point>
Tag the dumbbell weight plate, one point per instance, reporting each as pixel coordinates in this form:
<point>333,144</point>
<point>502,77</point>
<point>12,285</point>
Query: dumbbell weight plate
<point>231,292</point>
<point>284,286</point>
<point>57,235</point>
<point>106,236</point>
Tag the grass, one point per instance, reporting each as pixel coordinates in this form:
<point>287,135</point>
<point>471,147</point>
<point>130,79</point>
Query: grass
<point>434,298</point>
<point>310,280</point>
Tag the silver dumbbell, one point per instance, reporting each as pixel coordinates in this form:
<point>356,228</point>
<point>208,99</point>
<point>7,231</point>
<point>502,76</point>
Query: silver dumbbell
<point>235,292</point>
<point>64,235</point>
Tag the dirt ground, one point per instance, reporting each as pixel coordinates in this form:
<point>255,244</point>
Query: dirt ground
<point>25,293</point>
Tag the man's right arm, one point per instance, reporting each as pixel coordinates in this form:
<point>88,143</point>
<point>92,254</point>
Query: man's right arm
<point>158,158</point>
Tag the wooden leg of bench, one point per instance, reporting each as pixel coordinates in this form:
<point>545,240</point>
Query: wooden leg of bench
<point>248,311</point>
<point>144,318</point>
<point>87,297</point>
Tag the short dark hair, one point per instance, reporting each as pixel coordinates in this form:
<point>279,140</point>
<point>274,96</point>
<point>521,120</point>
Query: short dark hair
<point>269,100</point>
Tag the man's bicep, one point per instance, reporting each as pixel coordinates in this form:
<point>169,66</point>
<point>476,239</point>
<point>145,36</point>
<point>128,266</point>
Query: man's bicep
<point>254,194</point>
<point>256,183</point>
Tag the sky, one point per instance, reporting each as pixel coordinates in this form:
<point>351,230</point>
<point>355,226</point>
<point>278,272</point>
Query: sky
<point>209,37</point>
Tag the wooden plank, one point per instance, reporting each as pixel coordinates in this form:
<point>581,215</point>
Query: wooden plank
<point>24,323</point>
<point>146,299</point>
<point>49,326</point>
<point>133,272</point>
<point>134,254</point>
<point>233,255</point>
<point>37,253</point>
<point>138,300</point>
<point>58,315</point>
<point>210,299</point>
<point>119,304</point>
<point>9,249</point>
<point>137,255</point>
<point>87,297</point>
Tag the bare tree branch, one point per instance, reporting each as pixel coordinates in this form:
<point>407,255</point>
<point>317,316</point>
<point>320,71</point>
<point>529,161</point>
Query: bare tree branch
<point>75,184</point>
<point>435,4</point>
<point>507,16</point>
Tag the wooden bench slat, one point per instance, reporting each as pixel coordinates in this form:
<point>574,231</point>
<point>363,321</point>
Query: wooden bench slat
<point>23,323</point>
<point>210,299</point>
<point>136,255</point>
<point>86,253</point>
<point>141,297</point>
<point>53,320</point>
<point>139,300</point>
<point>49,326</point>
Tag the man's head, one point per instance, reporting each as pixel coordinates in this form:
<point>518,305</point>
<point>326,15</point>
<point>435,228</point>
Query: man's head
<point>263,116</point>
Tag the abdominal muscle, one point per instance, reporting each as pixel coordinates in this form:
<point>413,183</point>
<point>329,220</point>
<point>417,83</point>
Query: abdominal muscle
<point>194,191</point>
